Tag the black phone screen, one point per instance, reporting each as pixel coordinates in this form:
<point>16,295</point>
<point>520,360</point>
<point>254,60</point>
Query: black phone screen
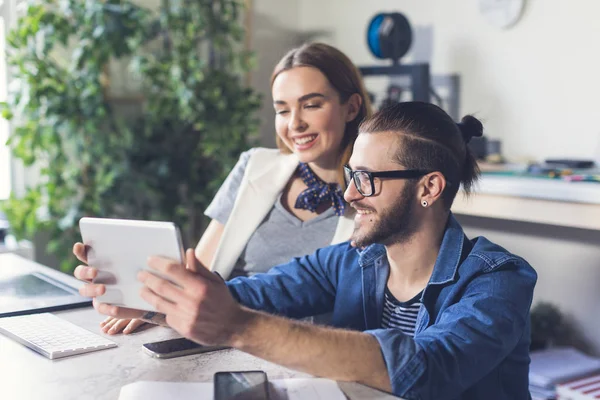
<point>241,385</point>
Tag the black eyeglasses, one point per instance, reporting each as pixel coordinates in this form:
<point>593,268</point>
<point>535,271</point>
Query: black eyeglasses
<point>363,180</point>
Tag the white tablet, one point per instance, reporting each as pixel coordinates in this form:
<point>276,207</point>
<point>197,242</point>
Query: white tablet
<point>120,248</point>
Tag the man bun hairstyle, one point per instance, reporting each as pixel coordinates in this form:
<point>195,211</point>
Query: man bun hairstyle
<point>430,140</point>
<point>470,127</point>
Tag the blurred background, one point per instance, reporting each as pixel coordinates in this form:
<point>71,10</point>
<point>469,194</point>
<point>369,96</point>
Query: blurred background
<point>139,110</point>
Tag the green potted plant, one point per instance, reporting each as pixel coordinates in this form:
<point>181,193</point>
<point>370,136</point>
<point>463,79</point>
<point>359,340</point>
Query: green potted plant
<point>161,159</point>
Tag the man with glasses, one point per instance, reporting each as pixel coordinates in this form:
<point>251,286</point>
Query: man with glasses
<point>418,309</point>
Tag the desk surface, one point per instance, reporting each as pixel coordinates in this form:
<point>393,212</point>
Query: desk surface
<point>24,374</point>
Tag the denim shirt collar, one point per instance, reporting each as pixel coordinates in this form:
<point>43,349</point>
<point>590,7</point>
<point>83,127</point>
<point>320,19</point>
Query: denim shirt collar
<point>450,255</point>
<point>448,260</point>
<point>368,255</point>
<point>376,268</point>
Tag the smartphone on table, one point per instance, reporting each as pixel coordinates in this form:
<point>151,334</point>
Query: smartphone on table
<point>177,348</point>
<point>241,385</point>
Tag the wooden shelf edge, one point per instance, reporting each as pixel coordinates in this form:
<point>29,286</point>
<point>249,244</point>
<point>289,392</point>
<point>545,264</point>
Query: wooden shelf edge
<point>567,214</point>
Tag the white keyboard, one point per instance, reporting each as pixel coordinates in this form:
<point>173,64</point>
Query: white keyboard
<point>52,336</point>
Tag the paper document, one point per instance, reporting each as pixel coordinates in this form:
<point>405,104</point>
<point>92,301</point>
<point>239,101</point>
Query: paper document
<point>284,389</point>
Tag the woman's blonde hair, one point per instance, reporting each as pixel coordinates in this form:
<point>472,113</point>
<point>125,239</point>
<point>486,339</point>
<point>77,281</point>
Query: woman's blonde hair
<point>345,78</point>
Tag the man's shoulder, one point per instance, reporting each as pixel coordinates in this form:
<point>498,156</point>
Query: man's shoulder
<point>339,258</point>
<point>490,256</point>
<point>343,249</point>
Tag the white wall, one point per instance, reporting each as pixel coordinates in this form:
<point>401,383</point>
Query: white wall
<point>536,85</point>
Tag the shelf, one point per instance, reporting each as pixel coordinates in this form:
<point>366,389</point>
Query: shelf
<point>575,205</point>
<point>538,188</point>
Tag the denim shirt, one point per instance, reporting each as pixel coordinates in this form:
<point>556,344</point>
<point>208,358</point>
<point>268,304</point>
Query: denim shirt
<point>472,335</point>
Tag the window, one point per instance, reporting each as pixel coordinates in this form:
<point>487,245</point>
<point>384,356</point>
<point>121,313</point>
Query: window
<point>5,171</point>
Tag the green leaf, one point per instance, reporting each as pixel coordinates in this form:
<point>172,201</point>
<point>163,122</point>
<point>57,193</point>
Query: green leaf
<point>5,111</point>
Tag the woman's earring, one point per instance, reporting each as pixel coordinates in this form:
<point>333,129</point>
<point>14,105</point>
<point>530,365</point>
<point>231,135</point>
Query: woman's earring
<point>424,203</point>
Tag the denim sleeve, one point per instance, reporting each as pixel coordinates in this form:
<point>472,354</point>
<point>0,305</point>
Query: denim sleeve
<point>468,340</point>
<point>303,287</point>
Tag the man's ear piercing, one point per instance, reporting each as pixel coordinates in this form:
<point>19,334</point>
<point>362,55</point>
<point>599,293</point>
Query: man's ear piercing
<point>424,203</point>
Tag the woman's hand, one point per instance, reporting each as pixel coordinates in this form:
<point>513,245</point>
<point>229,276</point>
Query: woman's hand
<point>112,325</point>
<point>87,274</point>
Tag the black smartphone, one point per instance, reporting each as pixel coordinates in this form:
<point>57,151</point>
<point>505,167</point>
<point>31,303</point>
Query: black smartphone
<point>177,348</point>
<point>241,385</point>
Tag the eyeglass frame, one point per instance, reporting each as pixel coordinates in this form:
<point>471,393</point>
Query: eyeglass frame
<point>396,174</point>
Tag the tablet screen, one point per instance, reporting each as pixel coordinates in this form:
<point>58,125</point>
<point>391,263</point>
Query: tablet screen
<point>35,292</point>
<point>27,286</point>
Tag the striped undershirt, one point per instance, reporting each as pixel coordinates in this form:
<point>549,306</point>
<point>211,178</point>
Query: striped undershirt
<point>400,315</point>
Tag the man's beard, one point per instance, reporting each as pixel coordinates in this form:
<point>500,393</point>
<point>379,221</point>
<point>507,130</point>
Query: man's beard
<point>396,224</point>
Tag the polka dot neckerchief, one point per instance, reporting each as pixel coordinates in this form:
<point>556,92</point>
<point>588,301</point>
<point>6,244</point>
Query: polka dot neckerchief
<point>319,192</point>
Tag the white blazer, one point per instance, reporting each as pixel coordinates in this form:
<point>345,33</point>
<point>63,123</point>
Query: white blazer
<point>266,175</point>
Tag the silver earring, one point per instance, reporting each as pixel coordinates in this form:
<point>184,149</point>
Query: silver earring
<point>424,203</point>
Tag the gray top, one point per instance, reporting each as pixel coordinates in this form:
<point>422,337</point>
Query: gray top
<point>280,236</point>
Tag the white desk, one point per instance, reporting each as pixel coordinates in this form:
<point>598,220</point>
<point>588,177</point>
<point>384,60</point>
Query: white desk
<point>24,374</point>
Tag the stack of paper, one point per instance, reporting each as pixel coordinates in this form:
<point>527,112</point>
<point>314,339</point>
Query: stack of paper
<point>553,366</point>
<point>284,389</point>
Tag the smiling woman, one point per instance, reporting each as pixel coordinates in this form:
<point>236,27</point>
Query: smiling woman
<point>282,203</point>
